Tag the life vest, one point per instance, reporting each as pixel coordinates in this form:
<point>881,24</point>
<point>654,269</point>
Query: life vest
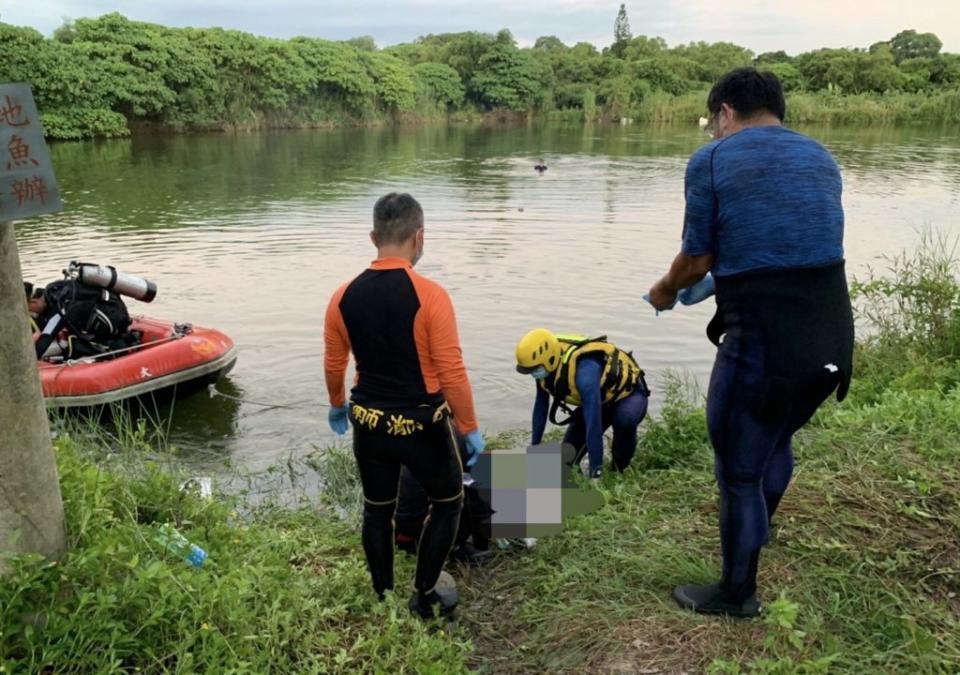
<point>621,374</point>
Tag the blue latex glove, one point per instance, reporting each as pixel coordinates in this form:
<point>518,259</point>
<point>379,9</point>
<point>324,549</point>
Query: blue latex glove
<point>474,445</point>
<point>646,296</point>
<point>338,419</point>
<point>699,292</point>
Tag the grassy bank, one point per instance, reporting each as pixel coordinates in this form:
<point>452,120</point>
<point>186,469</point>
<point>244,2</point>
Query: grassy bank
<point>861,575</point>
<point>823,108</point>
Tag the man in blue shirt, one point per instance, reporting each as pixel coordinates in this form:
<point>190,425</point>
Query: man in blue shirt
<point>597,384</point>
<point>764,215</point>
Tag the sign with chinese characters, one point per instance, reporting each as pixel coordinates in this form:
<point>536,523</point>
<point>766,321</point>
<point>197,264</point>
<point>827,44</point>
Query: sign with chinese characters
<point>27,184</point>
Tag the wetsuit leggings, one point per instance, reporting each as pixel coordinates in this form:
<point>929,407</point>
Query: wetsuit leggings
<point>624,416</point>
<point>751,424</point>
<point>432,458</point>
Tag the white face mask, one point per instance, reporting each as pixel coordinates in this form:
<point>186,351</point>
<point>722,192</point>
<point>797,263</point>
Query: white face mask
<point>540,373</point>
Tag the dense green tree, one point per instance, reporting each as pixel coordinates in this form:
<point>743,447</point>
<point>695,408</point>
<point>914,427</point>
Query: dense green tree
<point>505,37</point>
<point>661,73</point>
<point>851,71</point>
<point>788,74</point>
<point>336,72</point>
<point>928,74</point>
<point>440,83</point>
<point>460,51</point>
<point>642,47</point>
<point>877,71</point>
<point>580,64</point>
<point>364,43</point>
<point>99,77</point>
<point>909,44</point>
<point>393,82</point>
<point>945,70</point>
<point>510,78</point>
<point>621,32</point>
<point>549,43</point>
<point>714,59</point>
<point>768,58</point>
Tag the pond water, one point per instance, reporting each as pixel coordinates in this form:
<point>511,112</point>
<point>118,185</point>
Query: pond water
<point>252,233</point>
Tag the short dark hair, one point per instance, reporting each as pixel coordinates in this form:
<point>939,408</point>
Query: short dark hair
<point>28,289</point>
<point>748,92</point>
<point>396,218</point>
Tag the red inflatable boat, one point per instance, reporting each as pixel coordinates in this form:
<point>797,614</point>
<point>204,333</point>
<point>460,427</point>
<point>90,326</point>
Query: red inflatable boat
<point>171,360</point>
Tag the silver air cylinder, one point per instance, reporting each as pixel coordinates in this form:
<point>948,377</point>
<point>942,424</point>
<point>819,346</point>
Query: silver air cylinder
<point>109,278</point>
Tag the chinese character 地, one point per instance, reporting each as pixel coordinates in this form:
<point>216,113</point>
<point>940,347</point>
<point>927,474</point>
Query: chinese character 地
<point>12,113</point>
<point>19,153</point>
<point>30,190</point>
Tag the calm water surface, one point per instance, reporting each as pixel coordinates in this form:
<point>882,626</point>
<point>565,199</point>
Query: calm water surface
<point>252,233</point>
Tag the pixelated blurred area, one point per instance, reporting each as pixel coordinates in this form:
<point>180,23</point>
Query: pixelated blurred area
<point>531,490</point>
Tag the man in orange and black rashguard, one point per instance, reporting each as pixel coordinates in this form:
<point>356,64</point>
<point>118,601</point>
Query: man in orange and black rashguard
<point>410,381</point>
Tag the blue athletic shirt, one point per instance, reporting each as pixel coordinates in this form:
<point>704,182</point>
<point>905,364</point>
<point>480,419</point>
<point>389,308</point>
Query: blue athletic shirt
<point>764,198</point>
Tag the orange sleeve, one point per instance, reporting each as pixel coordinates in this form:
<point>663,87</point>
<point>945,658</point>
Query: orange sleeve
<point>336,353</point>
<point>445,354</point>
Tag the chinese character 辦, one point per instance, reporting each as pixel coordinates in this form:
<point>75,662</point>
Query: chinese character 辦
<point>12,113</point>
<point>30,190</point>
<point>19,153</point>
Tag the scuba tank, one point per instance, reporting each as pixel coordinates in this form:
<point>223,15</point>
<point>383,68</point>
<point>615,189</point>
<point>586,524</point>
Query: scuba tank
<point>107,277</point>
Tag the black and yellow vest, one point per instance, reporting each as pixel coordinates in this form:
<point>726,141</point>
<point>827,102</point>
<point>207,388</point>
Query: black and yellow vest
<point>621,375</point>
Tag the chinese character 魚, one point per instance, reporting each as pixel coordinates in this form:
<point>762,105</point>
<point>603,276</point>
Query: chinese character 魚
<point>19,153</point>
<point>12,113</point>
<point>30,190</point>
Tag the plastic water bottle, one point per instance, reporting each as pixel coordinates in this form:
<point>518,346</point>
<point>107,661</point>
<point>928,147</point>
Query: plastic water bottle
<point>172,540</point>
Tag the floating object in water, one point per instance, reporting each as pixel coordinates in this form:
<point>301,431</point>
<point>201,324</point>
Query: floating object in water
<point>704,122</point>
<point>540,166</point>
<point>171,359</point>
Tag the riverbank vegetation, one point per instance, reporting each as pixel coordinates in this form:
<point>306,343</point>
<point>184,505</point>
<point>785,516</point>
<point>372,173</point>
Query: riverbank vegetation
<point>109,76</point>
<point>862,574</point>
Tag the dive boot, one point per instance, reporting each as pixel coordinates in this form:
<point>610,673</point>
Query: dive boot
<point>711,599</point>
<point>440,601</point>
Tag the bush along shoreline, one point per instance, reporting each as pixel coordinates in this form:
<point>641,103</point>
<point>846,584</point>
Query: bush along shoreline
<point>110,76</point>
<point>861,574</point>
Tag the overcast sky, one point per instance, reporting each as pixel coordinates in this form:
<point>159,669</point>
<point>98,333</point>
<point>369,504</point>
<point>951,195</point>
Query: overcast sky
<point>761,25</point>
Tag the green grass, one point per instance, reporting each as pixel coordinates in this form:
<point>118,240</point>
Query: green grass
<point>873,109</point>
<point>861,574</point>
<point>821,108</point>
<point>283,591</point>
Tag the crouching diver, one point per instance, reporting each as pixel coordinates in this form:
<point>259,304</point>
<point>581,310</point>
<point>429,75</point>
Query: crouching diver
<point>410,379</point>
<point>763,213</point>
<point>596,384</point>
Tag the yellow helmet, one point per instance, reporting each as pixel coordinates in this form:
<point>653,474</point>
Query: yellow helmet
<point>537,348</point>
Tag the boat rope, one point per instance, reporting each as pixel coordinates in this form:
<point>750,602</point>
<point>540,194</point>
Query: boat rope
<point>214,392</point>
<point>97,357</point>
